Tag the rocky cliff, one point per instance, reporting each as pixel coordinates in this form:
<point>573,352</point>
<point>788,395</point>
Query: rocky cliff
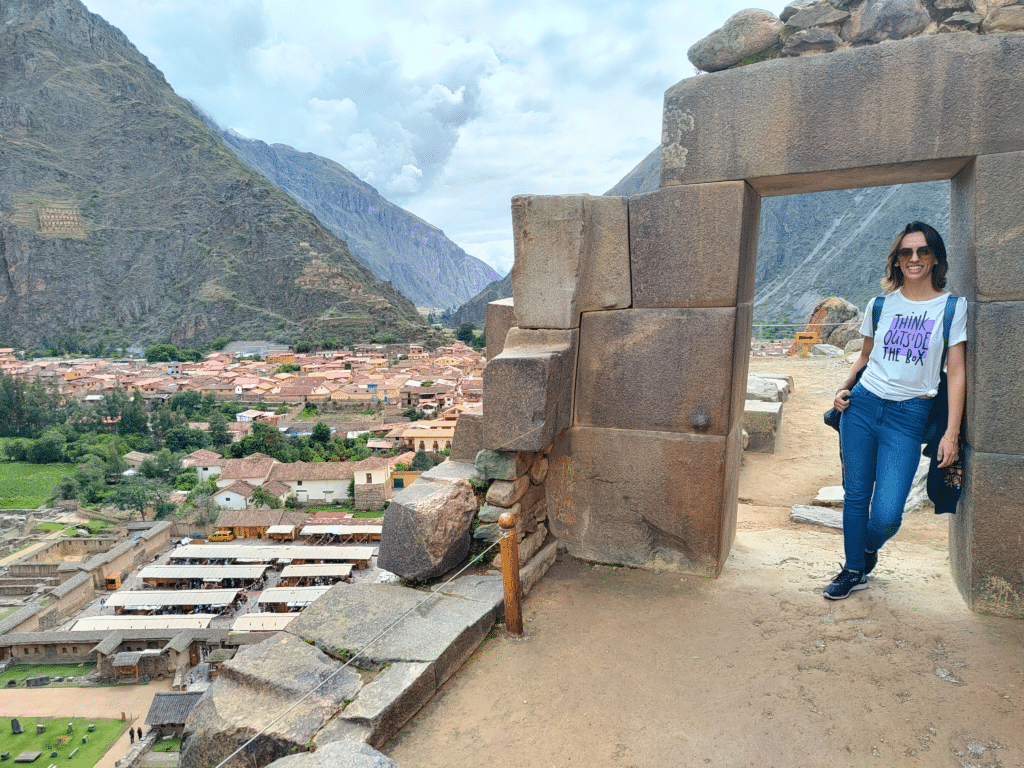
<point>415,256</point>
<point>124,219</point>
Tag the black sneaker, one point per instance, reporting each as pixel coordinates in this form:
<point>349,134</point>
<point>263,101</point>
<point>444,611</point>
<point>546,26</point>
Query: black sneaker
<point>846,582</point>
<point>870,561</point>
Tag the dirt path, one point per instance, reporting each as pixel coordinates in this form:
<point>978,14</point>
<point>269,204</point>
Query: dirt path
<point>107,702</point>
<point>627,668</point>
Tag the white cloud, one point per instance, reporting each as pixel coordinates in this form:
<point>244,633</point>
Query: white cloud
<point>448,107</point>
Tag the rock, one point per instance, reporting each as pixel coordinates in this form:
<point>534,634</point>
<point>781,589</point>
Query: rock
<point>816,15</point>
<point>785,382</point>
<point>390,700</point>
<point>811,41</point>
<point>528,389</point>
<point>426,529</point>
<point>765,390</point>
<point>338,754</point>
<point>826,350</point>
<point>501,316</point>
<point>762,421</point>
<point>451,471</point>
<point>489,514</point>
<point>1007,19</point>
<point>502,465</point>
<point>746,438</point>
<point>469,437</point>
<point>828,319</point>
<point>744,34</point>
<point>17,728</point>
<point>528,547</point>
<point>832,496</point>
<point>967,21</point>
<point>827,516</point>
<point>854,345</point>
<point>953,5</point>
<point>878,20</point>
<point>442,631</point>
<point>505,493</point>
<point>539,470</point>
<point>255,687</point>
<point>795,7</point>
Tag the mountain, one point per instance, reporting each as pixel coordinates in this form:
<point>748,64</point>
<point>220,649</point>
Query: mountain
<point>810,246</point>
<point>415,256</point>
<point>124,219</point>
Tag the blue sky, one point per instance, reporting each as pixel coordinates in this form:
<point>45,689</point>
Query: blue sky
<point>447,107</point>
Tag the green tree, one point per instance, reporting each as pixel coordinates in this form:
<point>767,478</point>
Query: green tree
<point>161,353</point>
<point>48,449</point>
<point>466,332</point>
<point>261,497</point>
<point>219,434</point>
<point>321,433</point>
<point>136,495</point>
<point>133,417</point>
<point>183,439</point>
<point>188,402</point>
<point>421,462</point>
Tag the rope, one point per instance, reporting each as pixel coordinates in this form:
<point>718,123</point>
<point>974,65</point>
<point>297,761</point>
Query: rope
<point>356,655</point>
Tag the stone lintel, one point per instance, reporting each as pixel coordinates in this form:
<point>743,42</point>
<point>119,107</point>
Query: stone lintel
<point>646,499</point>
<point>934,97</point>
<point>694,245</point>
<point>528,390</point>
<point>994,365</point>
<point>986,532</point>
<point>665,370</point>
<point>501,315</point>
<point>572,256</point>
<point>987,197</point>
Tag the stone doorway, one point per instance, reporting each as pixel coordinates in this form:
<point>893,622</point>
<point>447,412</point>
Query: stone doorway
<point>628,355</point>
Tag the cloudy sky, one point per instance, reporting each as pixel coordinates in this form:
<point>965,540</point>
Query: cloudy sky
<point>447,107</point>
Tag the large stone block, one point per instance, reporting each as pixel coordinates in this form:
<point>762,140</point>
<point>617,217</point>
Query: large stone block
<point>426,530</point>
<point>986,535</point>
<point>694,246</point>
<point>528,390</point>
<point>572,256</point>
<point>761,421</point>
<point>646,499</point>
<point>469,436</point>
<point>253,689</point>
<point>987,250</point>
<point>995,368</point>
<point>666,370</point>
<point>912,111</point>
<point>501,316</point>
<point>337,754</point>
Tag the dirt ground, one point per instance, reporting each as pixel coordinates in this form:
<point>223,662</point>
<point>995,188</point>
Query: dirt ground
<point>630,668</point>
<point>108,702</point>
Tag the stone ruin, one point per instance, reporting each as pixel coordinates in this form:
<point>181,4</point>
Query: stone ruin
<point>626,353</point>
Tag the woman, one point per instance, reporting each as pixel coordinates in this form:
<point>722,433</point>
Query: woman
<point>884,415</point>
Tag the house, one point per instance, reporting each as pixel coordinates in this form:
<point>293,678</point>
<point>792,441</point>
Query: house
<point>235,495</point>
<point>430,436</point>
<point>207,463</point>
<point>327,481</point>
<point>134,459</point>
<point>169,710</point>
<point>371,487</point>
<point>254,469</point>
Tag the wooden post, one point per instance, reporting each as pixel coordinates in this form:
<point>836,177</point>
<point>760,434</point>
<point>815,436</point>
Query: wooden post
<point>510,574</point>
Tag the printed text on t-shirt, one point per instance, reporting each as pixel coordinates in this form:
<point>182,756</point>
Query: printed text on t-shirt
<point>907,338</point>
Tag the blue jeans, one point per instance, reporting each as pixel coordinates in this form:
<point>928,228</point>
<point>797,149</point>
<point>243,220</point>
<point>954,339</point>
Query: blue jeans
<point>881,442</point>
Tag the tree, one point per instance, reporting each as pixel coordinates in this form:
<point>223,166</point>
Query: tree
<point>466,332</point>
<point>421,462</point>
<point>219,434</point>
<point>261,497</point>
<point>188,401</point>
<point>48,449</point>
<point>185,440</point>
<point>133,417</point>
<point>321,433</point>
<point>161,353</point>
<point>136,495</point>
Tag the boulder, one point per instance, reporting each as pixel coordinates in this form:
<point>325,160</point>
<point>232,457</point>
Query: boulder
<point>816,15</point>
<point>827,516</point>
<point>826,350</point>
<point>829,318</point>
<point>795,7</point>
<point>966,21</point>
<point>761,422</point>
<point>338,754</point>
<point>254,688</point>
<point>744,34</point>
<point>878,20</point>
<point>502,465</point>
<point>426,529</point>
<point>505,493</point>
<point>853,345</point>
<point>1007,19</point>
<point>811,41</point>
<point>765,390</point>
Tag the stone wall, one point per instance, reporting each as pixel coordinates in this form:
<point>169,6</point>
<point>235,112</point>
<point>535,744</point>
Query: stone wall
<point>370,496</point>
<point>627,366</point>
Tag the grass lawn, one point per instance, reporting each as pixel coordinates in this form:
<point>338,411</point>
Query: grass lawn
<point>26,486</point>
<point>50,527</point>
<point>172,744</point>
<point>22,671</point>
<point>312,509</point>
<point>56,736</point>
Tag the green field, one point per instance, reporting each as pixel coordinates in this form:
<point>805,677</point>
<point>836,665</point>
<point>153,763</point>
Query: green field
<point>56,735</point>
<point>26,486</point>
<point>20,672</point>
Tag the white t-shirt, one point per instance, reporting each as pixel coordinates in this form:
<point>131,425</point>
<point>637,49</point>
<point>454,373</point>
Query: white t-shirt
<point>905,360</point>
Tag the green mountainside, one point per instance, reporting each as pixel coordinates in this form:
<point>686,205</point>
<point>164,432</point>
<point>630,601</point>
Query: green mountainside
<point>415,256</point>
<point>124,219</point>
<point>810,246</point>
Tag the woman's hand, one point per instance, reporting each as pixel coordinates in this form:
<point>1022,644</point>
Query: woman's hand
<point>947,451</point>
<point>842,400</point>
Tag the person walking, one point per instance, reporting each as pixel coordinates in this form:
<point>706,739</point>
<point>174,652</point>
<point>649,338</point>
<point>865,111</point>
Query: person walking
<point>885,412</point>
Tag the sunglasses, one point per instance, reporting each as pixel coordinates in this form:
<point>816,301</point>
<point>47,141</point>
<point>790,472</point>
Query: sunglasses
<point>905,254</point>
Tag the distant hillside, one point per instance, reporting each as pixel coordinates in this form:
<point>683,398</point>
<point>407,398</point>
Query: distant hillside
<point>124,219</point>
<point>810,246</point>
<point>415,256</point>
